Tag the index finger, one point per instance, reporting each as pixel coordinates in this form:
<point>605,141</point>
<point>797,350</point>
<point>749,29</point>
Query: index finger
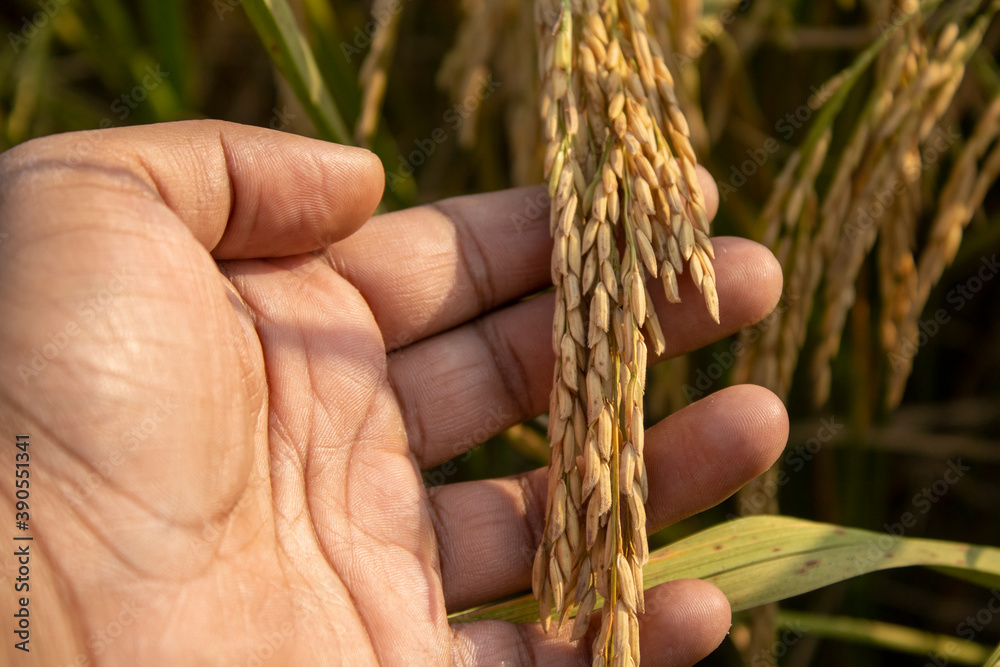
<point>446,263</point>
<point>242,191</point>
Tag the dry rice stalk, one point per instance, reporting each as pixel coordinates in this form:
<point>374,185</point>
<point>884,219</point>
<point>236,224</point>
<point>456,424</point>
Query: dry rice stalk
<point>792,210</point>
<point>374,69</point>
<point>516,67</point>
<point>928,81</point>
<point>677,26</point>
<point>626,202</point>
<point>874,180</point>
<point>962,195</point>
<point>796,234</point>
<point>470,61</point>
<point>897,269</point>
<point>478,53</point>
<point>880,156</point>
<point>871,163</point>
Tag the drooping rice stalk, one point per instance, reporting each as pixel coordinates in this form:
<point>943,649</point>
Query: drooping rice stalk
<point>482,50</point>
<point>822,239</point>
<point>374,73</point>
<point>626,205</point>
<point>921,81</point>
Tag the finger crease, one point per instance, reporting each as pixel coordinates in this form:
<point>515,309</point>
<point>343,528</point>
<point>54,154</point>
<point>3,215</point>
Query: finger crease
<point>471,255</point>
<point>442,535</point>
<point>416,431</point>
<point>508,366</point>
<point>526,647</point>
<point>533,504</point>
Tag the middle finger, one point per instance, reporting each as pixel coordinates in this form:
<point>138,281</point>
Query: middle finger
<point>464,386</point>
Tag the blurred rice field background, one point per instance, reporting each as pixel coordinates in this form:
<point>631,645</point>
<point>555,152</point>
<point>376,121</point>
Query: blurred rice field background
<point>857,138</point>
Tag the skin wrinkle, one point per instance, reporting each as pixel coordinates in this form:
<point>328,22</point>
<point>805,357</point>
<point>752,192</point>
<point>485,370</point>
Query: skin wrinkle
<point>507,364</point>
<point>445,558</point>
<point>535,315</point>
<point>153,181</point>
<point>333,565</point>
<point>256,397</point>
<point>525,645</point>
<point>68,599</point>
<point>113,487</point>
<point>352,521</point>
<point>307,464</point>
<point>285,222</point>
<point>493,349</point>
<point>114,179</point>
<point>471,255</point>
<point>240,206</point>
<point>229,159</point>
<point>417,435</point>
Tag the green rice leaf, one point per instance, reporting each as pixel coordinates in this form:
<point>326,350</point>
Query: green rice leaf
<point>763,559</point>
<point>275,23</point>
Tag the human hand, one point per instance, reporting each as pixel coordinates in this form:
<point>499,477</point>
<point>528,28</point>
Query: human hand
<point>227,428</point>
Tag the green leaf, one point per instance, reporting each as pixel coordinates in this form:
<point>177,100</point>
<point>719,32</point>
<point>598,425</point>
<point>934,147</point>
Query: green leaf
<point>886,635</point>
<point>994,659</point>
<point>166,24</point>
<point>757,560</point>
<point>275,23</point>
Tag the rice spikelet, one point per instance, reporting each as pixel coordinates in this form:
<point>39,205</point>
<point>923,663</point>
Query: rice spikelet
<point>478,54</point>
<point>374,70</point>
<point>626,206</point>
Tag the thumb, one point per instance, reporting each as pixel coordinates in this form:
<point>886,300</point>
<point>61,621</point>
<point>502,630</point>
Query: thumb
<point>243,191</point>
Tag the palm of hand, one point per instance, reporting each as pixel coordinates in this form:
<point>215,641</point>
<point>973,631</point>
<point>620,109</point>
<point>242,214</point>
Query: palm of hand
<point>226,465</point>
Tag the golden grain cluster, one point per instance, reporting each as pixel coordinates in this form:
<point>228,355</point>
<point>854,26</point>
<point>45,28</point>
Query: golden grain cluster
<point>626,206</point>
<point>874,193</point>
